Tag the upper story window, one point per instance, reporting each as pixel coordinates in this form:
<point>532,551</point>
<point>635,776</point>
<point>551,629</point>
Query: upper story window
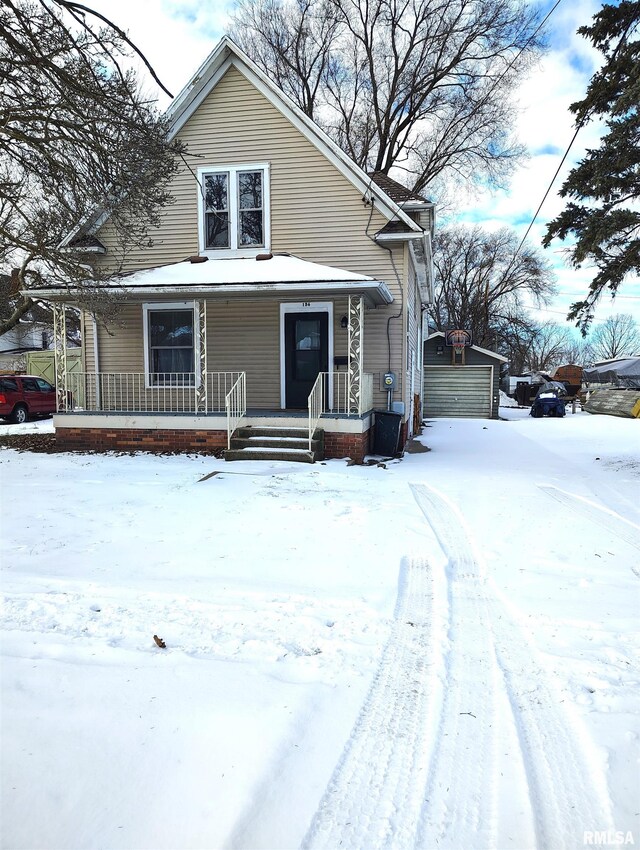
<point>234,209</point>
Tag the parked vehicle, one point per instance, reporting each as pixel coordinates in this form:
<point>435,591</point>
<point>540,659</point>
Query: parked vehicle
<point>549,400</point>
<point>22,396</point>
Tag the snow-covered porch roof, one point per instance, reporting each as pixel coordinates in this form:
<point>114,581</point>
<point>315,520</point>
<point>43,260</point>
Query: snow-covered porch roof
<point>226,278</point>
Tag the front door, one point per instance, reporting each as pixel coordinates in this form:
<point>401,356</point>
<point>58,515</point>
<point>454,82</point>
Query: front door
<point>306,339</point>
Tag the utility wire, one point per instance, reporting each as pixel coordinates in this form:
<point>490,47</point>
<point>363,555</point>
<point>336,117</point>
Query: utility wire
<point>581,123</point>
<point>550,186</point>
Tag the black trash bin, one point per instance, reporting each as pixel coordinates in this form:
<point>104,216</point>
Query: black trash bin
<point>386,433</point>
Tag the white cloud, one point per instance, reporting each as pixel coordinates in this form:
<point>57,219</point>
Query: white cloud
<point>546,126</point>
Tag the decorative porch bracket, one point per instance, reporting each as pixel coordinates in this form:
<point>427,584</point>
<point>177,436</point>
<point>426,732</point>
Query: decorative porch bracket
<point>60,356</point>
<point>355,352</point>
<point>201,389</point>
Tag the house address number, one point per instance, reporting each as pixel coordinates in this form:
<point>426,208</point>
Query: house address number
<point>306,303</point>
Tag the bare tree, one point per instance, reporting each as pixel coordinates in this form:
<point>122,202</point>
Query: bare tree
<point>534,346</point>
<point>548,347</point>
<point>481,285</point>
<point>617,336</point>
<point>577,352</point>
<point>421,86</point>
<point>76,136</point>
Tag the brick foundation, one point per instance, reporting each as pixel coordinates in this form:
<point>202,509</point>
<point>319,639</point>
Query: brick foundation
<point>161,440</point>
<point>141,440</point>
<point>355,446</point>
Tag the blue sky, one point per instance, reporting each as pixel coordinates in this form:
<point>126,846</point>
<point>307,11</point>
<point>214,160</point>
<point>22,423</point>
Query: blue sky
<point>178,35</point>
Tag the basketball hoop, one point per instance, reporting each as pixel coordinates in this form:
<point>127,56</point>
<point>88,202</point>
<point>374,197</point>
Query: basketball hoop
<point>457,340</point>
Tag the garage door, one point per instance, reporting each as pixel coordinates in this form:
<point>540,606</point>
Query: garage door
<point>457,391</point>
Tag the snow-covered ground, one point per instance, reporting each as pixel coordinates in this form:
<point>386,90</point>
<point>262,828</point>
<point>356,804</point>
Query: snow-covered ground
<point>438,652</point>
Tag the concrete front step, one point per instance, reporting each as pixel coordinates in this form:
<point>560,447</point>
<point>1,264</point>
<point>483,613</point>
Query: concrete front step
<point>266,443</point>
<point>257,453</point>
<point>250,431</point>
<point>275,443</point>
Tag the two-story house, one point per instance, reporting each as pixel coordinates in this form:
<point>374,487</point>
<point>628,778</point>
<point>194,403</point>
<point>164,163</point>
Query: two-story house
<point>282,286</point>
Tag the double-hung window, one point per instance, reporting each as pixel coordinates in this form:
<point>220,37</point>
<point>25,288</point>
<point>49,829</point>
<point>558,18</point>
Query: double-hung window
<point>170,343</point>
<point>234,209</point>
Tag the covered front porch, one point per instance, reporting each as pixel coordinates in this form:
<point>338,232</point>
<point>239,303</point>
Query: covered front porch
<point>297,362</point>
<point>340,402</point>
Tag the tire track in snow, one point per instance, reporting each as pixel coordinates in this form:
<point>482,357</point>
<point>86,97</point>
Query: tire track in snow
<point>375,795</point>
<point>567,789</point>
<point>611,520</point>
<point>460,798</point>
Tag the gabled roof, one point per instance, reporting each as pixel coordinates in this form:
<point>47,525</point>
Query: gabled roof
<point>475,348</point>
<point>227,54</point>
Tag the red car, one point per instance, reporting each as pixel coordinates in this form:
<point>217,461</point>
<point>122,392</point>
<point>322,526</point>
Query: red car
<point>22,396</point>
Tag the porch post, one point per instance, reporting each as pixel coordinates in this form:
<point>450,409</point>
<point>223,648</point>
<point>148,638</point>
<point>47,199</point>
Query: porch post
<point>201,389</point>
<point>355,338</point>
<point>60,355</point>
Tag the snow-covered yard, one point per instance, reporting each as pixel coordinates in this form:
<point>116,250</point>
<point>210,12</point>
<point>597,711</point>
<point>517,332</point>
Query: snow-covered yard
<point>439,653</point>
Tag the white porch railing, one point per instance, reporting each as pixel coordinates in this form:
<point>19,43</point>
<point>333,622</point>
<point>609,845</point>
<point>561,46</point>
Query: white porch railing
<point>337,401</point>
<point>140,392</point>
<point>236,405</point>
<point>315,403</point>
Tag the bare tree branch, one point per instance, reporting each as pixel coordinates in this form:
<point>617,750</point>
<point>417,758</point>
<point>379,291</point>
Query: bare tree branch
<point>76,137</point>
<point>481,287</point>
<point>421,83</point>
<point>617,336</point>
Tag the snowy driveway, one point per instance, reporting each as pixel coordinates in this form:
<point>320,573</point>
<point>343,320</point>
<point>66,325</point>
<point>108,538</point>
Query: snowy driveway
<point>436,654</point>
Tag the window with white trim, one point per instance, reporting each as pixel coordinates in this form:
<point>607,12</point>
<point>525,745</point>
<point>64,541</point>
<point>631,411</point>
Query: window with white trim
<point>234,208</point>
<point>170,332</point>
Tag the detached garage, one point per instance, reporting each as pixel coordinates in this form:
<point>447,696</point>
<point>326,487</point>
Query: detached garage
<point>467,389</point>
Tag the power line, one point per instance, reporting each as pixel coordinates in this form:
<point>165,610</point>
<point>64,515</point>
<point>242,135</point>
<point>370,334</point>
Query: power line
<point>587,114</point>
<point>524,46</point>
<point>550,186</point>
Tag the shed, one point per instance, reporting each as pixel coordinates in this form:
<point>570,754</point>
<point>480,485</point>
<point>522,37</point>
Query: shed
<point>466,391</point>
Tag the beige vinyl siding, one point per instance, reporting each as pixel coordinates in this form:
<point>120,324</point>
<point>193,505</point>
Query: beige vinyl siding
<point>122,346</point>
<point>242,335</point>
<point>88,347</point>
<point>316,214</point>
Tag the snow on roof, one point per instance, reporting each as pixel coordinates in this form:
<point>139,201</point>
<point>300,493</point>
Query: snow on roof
<point>238,277</point>
<point>221,272</point>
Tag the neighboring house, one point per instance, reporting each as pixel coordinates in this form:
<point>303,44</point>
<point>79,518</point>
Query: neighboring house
<point>32,336</point>
<point>460,385</point>
<point>303,285</point>
<point>19,341</point>
<point>32,333</point>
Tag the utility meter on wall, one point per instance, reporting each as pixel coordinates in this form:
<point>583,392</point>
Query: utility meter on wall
<point>389,381</point>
